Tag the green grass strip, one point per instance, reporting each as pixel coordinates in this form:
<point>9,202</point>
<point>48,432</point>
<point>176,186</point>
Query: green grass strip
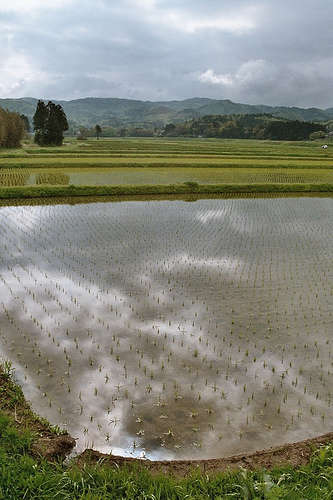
<point>186,188</point>
<point>21,476</point>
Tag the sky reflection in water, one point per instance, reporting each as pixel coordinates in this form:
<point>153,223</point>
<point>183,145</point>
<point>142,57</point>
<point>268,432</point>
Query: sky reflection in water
<point>189,330</point>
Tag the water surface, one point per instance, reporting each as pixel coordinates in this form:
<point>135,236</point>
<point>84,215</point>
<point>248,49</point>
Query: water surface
<point>187,330</point>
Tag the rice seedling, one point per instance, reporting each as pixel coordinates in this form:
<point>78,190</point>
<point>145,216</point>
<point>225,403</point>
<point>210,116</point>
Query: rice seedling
<point>221,306</point>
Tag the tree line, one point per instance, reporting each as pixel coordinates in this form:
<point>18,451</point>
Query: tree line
<point>253,126</point>
<point>50,123</point>
<point>258,126</point>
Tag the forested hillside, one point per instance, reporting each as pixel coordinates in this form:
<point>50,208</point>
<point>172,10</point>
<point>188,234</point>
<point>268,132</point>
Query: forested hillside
<point>260,126</point>
<point>112,112</point>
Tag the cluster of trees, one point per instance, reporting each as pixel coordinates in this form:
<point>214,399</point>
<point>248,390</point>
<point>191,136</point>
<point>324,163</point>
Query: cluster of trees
<point>50,123</point>
<point>259,126</point>
<point>12,129</point>
<point>109,131</point>
<point>293,130</point>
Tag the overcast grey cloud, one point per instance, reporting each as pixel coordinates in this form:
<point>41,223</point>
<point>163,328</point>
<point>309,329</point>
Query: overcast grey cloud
<point>273,52</point>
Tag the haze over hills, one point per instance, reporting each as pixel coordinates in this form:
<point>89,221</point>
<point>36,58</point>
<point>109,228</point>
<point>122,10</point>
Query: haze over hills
<point>117,112</point>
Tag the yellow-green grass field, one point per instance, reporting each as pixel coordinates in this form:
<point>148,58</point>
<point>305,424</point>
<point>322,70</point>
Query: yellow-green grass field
<point>132,165</point>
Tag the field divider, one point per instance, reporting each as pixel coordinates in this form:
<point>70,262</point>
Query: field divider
<point>185,188</point>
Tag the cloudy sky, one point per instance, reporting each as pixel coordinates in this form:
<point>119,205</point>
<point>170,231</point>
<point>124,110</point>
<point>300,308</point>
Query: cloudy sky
<point>273,52</point>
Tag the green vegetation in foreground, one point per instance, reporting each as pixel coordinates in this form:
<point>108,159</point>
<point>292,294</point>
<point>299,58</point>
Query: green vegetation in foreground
<point>24,477</point>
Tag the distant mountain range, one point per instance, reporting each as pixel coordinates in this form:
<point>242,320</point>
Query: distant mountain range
<point>116,112</point>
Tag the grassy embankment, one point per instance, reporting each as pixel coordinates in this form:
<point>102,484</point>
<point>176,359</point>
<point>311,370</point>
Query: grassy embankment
<point>80,191</point>
<point>26,474</point>
<point>164,166</point>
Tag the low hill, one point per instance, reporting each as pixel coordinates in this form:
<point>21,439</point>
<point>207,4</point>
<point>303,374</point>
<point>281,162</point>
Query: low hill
<point>116,112</point>
<point>247,126</point>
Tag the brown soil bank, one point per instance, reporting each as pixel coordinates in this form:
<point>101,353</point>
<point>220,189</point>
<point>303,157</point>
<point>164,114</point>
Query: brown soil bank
<point>53,445</point>
<point>48,443</point>
<point>294,454</point>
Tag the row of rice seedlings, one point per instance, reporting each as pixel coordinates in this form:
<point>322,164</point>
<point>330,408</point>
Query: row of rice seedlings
<point>127,174</point>
<point>14,177</point>
<point>52,178</point>
<point>212,326</point>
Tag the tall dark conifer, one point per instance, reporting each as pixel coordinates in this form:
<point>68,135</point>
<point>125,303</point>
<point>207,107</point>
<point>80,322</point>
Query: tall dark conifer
<point>50,122</point>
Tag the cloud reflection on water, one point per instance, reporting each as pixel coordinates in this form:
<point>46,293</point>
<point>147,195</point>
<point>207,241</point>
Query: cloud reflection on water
<point>150,325</point>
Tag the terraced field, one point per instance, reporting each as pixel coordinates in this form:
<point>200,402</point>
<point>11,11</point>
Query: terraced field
<point>134,162</point>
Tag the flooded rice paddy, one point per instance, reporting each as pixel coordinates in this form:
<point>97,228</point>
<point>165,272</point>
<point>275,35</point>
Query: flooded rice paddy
<point>181,330</point>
